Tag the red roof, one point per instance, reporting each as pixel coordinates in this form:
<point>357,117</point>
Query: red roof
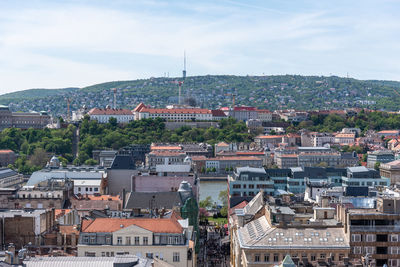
<point>109,225</point>
<point>139,107</point>
<point>235,158</point>
<point>269,136</point>
<point>4,151</point>
<point>109,111</point>
<point>263,111</point>
<point>218,113</point>
<point>250,153</point>
<point>244,108</point>
<point>176,110</point>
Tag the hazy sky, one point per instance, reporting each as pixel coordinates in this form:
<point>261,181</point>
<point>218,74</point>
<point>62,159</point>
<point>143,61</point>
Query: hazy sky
<point>52,44</point>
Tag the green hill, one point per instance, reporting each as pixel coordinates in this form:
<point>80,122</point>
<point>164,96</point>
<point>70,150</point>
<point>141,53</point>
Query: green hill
<point>213,91</point>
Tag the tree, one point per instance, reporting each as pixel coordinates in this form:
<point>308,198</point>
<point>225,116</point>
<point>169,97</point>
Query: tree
<point>39,158</point>
<point>90,162</point>
<point>206,203</point>
<point>214,169</point>
<point>377,165</point>
<point>223,197</point>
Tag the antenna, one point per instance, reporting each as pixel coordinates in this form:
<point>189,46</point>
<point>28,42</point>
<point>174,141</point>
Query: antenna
<point>184,65</point>
<point>115,97</point>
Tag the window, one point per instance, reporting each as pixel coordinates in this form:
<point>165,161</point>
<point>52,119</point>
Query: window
<point>341,257</point>
<point>119,240</point>
<point>86,239</point>
<point>96,189</point>
<point>103,254</point>
<point>93,240</point>
<point>127,240</point>
<point>108,240</point>
<point>145,240</point>
<point>156,239</point>
<point>370,238</point>
<point>137,240</point>
<point>236,186</point>
<point>79,189</point>
<point>356,238</point>
<point>107,254</point>
<point>266,257</point>
<point>276,257</point>
<point>112,253</point>
<point>251,186</point>
<point>176,240</point>
<point>322,256</point>
<point>175,257</point>
<point>394,238</point>
<point>369,250</point>
<point>257,258</point>
<point>313,257</point>
<point>90,254</point>
<point>394,250</point>
<point>149,255</point>
<point>357,250</point>
<point>170,240</point>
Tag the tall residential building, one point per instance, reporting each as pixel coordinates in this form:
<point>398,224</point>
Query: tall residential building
<point>247,181</point>
<point>374,231</point>
<point>382,156</point>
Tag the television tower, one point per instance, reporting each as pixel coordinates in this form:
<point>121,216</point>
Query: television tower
<point>184,65</point>
<point>115,97</point>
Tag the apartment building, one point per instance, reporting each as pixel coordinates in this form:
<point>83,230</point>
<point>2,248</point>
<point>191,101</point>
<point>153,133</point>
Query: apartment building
<point>247,181</point>
<point>374,231</point>
<point>391,170</point>
<point>361,176</point>
<point>10,178</point>
<point>155,158</point>
<point>257,241</point>
<point>168,239</point>
<point>225,164</point>
<point>345,138</point>
<point>264,115</point>
<point>268,140</point>
<point>382,156</point>
<point>173,114</point>
<point>104,115</point>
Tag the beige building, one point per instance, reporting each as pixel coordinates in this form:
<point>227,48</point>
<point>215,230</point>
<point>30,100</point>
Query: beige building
<point>168,239</point>
<point>391,170</point>
<point>256,241</point>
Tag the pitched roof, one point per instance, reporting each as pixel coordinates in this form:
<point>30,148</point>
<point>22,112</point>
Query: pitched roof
<point>176,110</point>
<point>109,225</point>
<point>155,147</point>
<point>109,111</point>
<point>269,136</point>
<point>160,200</point>
<point>218,113</point>
<point>222,144</point>
<point>4,151</point>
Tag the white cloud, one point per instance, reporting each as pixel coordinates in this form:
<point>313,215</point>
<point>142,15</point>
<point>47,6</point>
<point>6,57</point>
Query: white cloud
<point>43,47</point>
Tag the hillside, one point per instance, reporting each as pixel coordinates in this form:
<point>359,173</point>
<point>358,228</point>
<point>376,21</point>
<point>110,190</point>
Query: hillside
<point>271,92</point>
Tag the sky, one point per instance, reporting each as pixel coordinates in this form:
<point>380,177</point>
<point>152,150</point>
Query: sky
<point>57,44</point>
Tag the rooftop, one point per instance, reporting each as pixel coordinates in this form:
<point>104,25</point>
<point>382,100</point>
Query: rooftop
<point>259,234</point>
<point>130,260</point>
<point>109,225</point>
<point>250,169</point>
<point>109,111</point>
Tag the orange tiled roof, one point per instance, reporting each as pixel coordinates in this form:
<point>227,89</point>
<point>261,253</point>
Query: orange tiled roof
<point>109,225</point>
<point>5,151</point>
<point>176,110</point>
<point>250,153</point>
<point>60,212</point>
<point>389,131</point>
<point>235,158</point>
<point>269,136</point>
<point>103,197</point>
<point>68,229</point>
<point>166,153</point>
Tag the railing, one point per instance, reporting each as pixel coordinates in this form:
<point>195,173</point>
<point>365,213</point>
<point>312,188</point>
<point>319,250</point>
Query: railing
<point>379,228</point>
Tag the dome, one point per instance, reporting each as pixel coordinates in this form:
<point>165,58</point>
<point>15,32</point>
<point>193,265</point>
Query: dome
<point>184,187</point>
<point>187,159</point>
<point>54,162</point>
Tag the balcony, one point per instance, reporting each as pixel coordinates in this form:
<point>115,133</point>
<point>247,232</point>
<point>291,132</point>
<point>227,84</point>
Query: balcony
<point>379,228</point>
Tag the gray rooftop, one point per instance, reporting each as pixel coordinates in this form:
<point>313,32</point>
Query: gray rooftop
<point>126,260</point>
<point>6,172</point>
<point>251,169</point>
<point>259,234</point>
<point>160,200</point>
<point>40,176</point>
<point>23,213</point>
